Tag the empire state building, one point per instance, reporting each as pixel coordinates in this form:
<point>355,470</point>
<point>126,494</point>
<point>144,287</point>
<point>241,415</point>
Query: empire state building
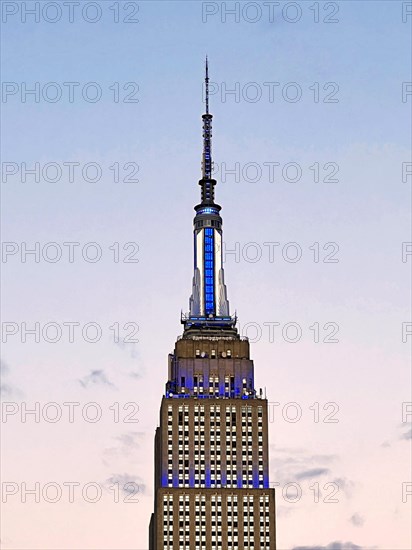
<point>211,447</point>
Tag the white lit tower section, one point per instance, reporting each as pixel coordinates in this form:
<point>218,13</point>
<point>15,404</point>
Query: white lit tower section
<point>209,298</point>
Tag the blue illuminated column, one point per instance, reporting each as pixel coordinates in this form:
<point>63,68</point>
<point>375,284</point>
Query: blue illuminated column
<point>209,269</point>
<point>209,296</point>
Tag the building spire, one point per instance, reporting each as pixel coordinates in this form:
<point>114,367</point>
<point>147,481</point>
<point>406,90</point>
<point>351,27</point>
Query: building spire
<point>207,165</point>
<point>207,87</point>
<point>208,304</point>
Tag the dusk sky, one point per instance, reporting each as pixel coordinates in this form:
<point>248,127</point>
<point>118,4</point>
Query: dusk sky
<point>101,108</point>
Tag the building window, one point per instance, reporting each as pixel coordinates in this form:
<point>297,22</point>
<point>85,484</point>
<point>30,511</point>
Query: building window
<point>168,522</point>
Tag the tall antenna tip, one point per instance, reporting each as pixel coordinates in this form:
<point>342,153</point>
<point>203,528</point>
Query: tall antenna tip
<point>207,86</point>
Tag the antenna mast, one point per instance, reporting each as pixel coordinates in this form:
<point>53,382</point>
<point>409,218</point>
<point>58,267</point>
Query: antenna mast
<point>207,87</point>
<point>207,138</point>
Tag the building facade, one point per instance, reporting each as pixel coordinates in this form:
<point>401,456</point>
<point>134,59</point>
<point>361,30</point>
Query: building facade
<point>211,447</point>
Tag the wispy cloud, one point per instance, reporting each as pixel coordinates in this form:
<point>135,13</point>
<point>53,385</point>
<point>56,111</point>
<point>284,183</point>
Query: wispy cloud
<point>337,545</point>
<point>407,435</point>
<point>133,353</point>
<point>283,511</point>
<point>4,369</point>
<point>403,436</point>
<point>127,444</point>
<point>127,483</point>
<point>291,464</point>
<point>130,440</point>
<point>357,520</point>
<point>135,374</point>
<point>314,472</point>
<point>7,390</point>
<point>345,485</point>
<point>96,378</point>
<point>298,465</point>
<point>130,348</point>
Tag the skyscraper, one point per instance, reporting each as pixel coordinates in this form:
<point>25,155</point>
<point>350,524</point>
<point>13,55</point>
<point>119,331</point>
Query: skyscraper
<point>211,447</point>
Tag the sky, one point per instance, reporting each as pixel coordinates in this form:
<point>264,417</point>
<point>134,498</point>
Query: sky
<point>100,164</point>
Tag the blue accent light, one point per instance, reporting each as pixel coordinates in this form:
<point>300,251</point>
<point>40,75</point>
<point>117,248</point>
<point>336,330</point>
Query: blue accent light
<point>208,210</point>
<point>209,272</point>
<point>207,478</point>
